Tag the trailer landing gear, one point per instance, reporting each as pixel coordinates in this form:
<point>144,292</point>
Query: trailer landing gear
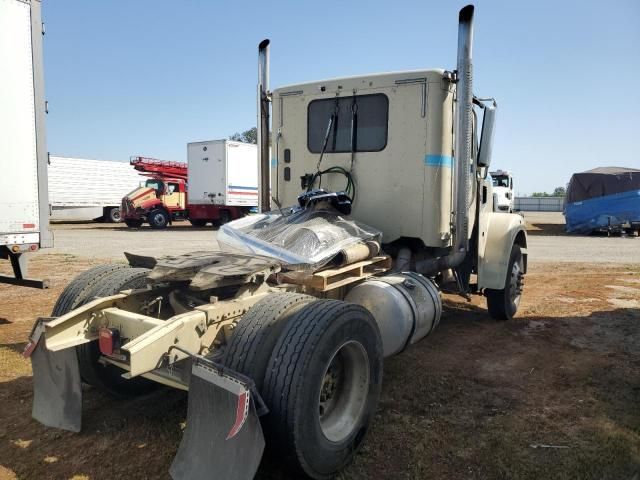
<point>19,266</point>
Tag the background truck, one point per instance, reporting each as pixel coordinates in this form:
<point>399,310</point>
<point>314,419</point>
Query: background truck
<point>280,338</point>
<point>502,191</point>
<point>83,189</point>
<point>218,184</point>
<point>24,210</point>
<point>223,180</point>
<point>163,196</point>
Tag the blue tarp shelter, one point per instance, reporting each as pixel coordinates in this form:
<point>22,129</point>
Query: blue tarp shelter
<point>602,198</point>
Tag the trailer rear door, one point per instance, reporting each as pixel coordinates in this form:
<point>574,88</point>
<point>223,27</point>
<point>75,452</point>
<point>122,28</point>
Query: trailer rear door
<point>242,174</point>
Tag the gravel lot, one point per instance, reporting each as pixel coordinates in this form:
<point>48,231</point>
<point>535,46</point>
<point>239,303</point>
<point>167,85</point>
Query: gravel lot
<point>478,399</point>
<point>549,244</point>
<point>108,241</point>
<point>547,241</point>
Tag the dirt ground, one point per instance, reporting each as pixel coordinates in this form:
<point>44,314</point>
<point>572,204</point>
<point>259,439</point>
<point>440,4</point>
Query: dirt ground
<point>554,393</point>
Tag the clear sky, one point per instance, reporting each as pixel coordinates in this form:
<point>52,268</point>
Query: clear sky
<point>148,76</point>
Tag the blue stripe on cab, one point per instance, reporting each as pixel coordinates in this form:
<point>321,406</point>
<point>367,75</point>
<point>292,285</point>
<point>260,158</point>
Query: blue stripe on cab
<point>242,187</point>
<point>438,160</point>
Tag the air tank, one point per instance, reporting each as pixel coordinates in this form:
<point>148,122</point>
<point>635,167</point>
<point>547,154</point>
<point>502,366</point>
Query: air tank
<point>406,307</point>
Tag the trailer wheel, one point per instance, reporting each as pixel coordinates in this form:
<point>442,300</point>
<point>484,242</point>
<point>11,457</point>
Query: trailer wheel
<point>254,337</point>
<point>158,218</point>
<point>503,304</point>
<point>108,377</point>
<point>198,222</point>
<point>322,386</point>
<point>133,223</point>
<point>113,215</point>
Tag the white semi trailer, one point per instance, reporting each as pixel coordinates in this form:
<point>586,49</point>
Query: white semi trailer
<point>287,346</point>
<point>83,189</point>
<point>24,210</point>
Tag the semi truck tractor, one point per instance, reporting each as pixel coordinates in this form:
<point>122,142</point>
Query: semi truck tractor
<point>381,197</point>
<point>502,191</point>
<point>24,204</point>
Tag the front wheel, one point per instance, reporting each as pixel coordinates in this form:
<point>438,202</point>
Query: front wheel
<point>133,223</point>
<point>158,218</point>
<point>322,385</point>
<point>503,304</point>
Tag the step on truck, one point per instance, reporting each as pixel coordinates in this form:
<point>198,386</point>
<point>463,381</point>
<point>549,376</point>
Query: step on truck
<point>277,342</point>
<point>24,204</point>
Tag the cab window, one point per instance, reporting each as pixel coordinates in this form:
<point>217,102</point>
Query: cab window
<point>360,121</point>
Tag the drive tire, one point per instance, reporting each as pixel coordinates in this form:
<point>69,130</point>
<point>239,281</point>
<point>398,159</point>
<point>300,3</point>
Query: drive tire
<point>503,304</point>
<point>109,377</point>
<point>76,292</point>
<point>319,334</point>
<point>102,281</point>
<point>158,218</point>
<point>224,217</point>
<point>131,223</point>
<point>198,222</point>
<point>256,334</point>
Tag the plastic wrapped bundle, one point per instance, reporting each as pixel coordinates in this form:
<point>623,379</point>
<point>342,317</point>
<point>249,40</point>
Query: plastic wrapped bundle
<point>304,239</point>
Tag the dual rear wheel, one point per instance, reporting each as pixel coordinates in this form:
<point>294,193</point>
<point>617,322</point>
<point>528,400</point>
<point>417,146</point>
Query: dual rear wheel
<point>102,281</point>
<point>318,366</point>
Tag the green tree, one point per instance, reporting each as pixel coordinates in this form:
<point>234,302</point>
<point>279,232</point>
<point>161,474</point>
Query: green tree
<point>559,192</point>
<point>248,136</point>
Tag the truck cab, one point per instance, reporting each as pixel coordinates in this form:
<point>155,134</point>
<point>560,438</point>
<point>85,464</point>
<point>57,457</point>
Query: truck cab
<point>503,191</point>
<point>388,141</point>
<point>260,327</point>
<point>159,201</point>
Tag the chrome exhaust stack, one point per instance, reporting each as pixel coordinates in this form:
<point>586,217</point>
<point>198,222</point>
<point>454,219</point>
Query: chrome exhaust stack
<point>263,126</point>
<point>463,150</point>
<point>463,129</point>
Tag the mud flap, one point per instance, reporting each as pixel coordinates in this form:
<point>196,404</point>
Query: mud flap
<point>223,438</point>
<point>57,389</point>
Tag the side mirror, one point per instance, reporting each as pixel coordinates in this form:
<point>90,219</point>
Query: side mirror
<point>486,137</point>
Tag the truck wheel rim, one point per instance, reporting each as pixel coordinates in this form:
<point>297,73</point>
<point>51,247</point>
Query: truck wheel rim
<point>515,283</point>
<point>343,391</point>
<point>158,218</point>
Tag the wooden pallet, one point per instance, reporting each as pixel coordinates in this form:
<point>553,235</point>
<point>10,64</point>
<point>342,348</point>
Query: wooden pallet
<point>332,278</point>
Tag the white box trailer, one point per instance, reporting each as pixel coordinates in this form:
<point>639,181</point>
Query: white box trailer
<point>223,172</point>
<point>24,212</point>
<point>83,189</point>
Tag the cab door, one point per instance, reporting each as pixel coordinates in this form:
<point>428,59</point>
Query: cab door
<point>173,197</point>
